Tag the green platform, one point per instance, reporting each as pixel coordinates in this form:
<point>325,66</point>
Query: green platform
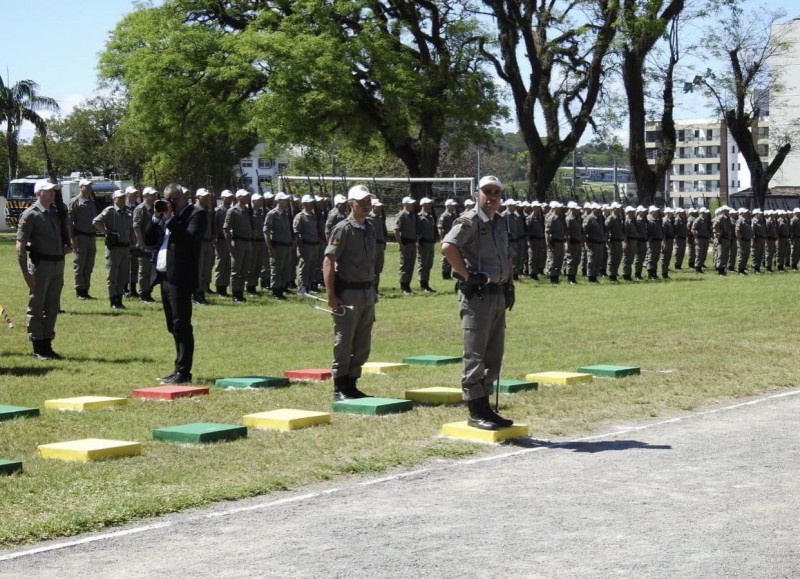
<point>431,360</point>
<point>252,382</point>
<point>512,386</point>
<point>10,466</point>
<point>11,412</point>
<point>605,371</point>
<point>373,406</point>
<point>200,432</point>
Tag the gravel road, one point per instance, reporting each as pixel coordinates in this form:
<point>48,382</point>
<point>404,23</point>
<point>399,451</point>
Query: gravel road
<point>708,494</point>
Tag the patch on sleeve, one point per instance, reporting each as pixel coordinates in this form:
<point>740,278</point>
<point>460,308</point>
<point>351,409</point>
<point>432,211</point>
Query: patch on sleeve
<point>335,242</point>
<point>465,221</point>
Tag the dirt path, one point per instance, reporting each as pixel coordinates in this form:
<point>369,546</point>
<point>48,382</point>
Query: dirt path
<point>709,494</point>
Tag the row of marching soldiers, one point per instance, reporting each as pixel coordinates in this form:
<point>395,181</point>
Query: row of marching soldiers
<point>556,239</point>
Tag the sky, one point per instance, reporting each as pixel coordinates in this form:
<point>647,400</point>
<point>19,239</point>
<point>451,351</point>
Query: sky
<point>56,43</point>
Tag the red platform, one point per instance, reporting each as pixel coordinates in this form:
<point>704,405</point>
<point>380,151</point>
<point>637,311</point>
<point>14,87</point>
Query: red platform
<point>308,374</point>
<point>169,392</point>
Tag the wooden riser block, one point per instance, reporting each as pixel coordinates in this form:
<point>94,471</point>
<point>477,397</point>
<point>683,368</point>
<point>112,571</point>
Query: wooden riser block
<point>373,406</point>
<point>383,367</point>
<point>252,382</point>
<point>200,432</point>
<point>435,395</point>
<point>431,360</point>
<point>11,412</point>
<point>89,449</point>
<point>10,466</point>
<point>561,378</point>
<point>605,371</point>
<point>82,403</point>
<point>286,419</point>
<point>512,386</point>
<point>466,432</point>
<point>308,374</point>
<point>169,392</point>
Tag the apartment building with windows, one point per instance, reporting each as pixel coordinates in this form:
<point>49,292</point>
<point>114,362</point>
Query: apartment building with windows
<point>257,170</point>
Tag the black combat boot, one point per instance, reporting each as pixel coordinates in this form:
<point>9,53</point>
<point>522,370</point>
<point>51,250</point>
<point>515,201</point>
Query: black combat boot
<point>593,279</point>
<point>133,293</point>
<point>742,272</point>
<point>47,347</point>
<point>277,293</point>
<point>406,289</point>
<point>554,279</point>
<point>147,298</point>
<point>352,390</point>
<point>572,280</point>
<point>483,417</point>
<point>222,291</point>
<point>39,352</point>
<point>427,288</point>
<point>251,289</point>
<point>340,388</point>
<point>238,297</point>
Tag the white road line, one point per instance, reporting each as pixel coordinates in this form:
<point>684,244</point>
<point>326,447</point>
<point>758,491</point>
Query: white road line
<point>311,496</point>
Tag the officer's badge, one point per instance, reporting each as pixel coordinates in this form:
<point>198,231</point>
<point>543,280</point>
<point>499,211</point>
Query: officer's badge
<point>335,242</point>
<point>483,230</point>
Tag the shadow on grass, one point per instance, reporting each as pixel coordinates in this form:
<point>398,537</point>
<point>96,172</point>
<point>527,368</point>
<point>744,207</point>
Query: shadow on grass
<point>103,313</point>
<point>25,371</point>
<point>590,447</point>
<point>129,360</point>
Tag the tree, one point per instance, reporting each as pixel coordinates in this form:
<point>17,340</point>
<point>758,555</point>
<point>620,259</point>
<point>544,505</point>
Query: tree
<point>317,73</point>
<point>644,22</point>
<point>565,49</point>
<point>18,103</point>
<point>741,91</point>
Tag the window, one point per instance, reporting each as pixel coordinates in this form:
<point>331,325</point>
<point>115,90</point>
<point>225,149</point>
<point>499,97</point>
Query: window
<point>733,166</point>
<point>246,162</point>
<point>265,163</point>
<point>733,148</point>
<point>709,134</point>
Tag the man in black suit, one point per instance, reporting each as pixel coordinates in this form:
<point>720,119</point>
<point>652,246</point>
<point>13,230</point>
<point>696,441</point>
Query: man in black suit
<point>178,234</point>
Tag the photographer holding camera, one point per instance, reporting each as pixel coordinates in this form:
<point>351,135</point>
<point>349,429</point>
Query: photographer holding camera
<point>177,233</point>
<point>116,223</point>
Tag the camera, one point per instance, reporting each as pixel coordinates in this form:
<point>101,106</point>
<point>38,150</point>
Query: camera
<point>160,206</point>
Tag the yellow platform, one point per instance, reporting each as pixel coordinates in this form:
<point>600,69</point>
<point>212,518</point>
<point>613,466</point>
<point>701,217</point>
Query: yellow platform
<point>435,395</point>
<point>89,449</point>
<point>81,403</point>
<point>561,378</point>
<point>466,432</point>
<point>383,367</point>
<point>286,419</point>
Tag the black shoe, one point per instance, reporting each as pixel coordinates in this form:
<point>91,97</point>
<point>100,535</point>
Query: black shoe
<point>178,378</point>
<point>278,295</point>
<point>428,289</point>
<point>554,279</point>
<point>238,297</point>
<point>168,377</point>
<point>82,295</point>
<point>47,348</point>
<point>627,278</point>
<point>613,278</point>
<point>39,352</point>
<point>678,267</point>
<point>593,279</point>
<point>222,291</point>
<point>147,298</point>
<point>126,294</point>
<point>133,294</point>
<point>252,290</point>
<point>483,417</point>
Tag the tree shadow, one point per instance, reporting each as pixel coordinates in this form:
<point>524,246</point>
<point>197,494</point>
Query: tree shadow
<point>128,360</point>
<point>591,447</point>
<point>25,371</point>
<point>113,314</point>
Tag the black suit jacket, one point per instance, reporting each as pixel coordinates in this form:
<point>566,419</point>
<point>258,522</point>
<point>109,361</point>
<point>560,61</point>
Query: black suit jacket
<point>186,231</point>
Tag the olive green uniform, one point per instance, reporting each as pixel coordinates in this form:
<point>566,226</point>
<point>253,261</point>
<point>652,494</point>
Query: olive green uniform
<point>81,215</point>
<point>733,250</point>
<point>353,248</point>
<point>701,234</point>
<point>239,225</point>
<point>655,239</point>
<point>484,246</point>
<point>744,236</point>
<point>616,235</point>
<point>119,225</point>
<point>721,228</point>
<point>642,246</point>
<point>515,224</point>
<point>772,241</point>
<point>681,237</point>
<point>205,263</point>
<point>574,243</point>
<point>222,275</point>
<point>426,239</point>
<point>784,242</point>
<point>446,221</point>
<point>537,253</point>
<point>259,262</point>
<point>630,246</point>
<point>594,236</point>
<point>41,230</point>
<point>143,221</point>
<point>759,243</point>
<point>308,246</point>
<point>278,228</point>
<point>690,242</point>
<point>406,225</point>
<point>794,226</point>
<point>555,232</point>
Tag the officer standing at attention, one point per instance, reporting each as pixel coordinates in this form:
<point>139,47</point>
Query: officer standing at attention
<point>426,240</point>
<point>641,248</point>
<point>446,221</point>
<point>574,228</point>
<point>205,200</point>
<point>690,241</point>
<point>534,224</point>
<point>668,226</point>
<point>784,239</point>
<point>555,232</point>
<point>744,236</point>
<point>478,250</point>
<point>615,233</point>
<point>681,236</point>
<point>378,221</point>
<point>594,240</point>
<point>655,237</point>
<point>405,233</point>
<point>82,211</point>
<point>279,236</point>
<point>131,203</point>
<point>772,238</point>
<point>39,233</point>
<point>794,226</point>
<point>222,276</point>
<point>759,239</point>
<point>306,232</point>
<point>142,222</point>
<point>259,262</point>
<point>349,273</point>
<point>116,224</point>
<point>631,243</point>
<point>701,233</point>
<point>721,228</point>
<point>238,230</point>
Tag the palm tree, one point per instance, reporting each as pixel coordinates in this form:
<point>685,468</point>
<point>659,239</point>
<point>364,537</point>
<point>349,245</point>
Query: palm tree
<point>19,103</point>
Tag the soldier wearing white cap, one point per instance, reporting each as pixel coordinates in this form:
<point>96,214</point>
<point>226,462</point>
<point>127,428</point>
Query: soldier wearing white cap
<point>82,211</point>
<point>222,274</point>
<point>446,221</point>
<point>690,241</point>
<point>630,245</point>
<point>337,214</point>
<point>478,250</point>
<point>537,246</point>
<point>426,242</point>
<point>794,227</point>
<point>681,236</point>
<point>377,219</point>
<point>205,264</point>
<point>259,263</point>
<point>655,239</point>
<point>238,230</point>
<point>306,232</point>
<point>279,236</point>
<point>39,233</point>
<point>771,225</point>
<point>784,240</point>
<point>759,239</point>
<point>349,273</point>
<point>721,230</point>
<point>701,231</point>
<point>574,230</point>
<point>555,232</point>
<point>594,238</point>
<point>132,200</point>
<point>744,236</point>
<point>642,246</point>
<point>142,222</point>
<point>668,244</point>
<point>615,234</point>
<point>733,217</point>
<point>515,223</point>
<point>116,223</point>
<point>405,233</point>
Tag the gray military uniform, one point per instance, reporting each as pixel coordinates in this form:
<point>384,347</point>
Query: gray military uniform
<point>426,238</point>
<point>701,234</point>
<point>555,232</point>
<point>641,247</point>
<point>655,237</point>
<point>721,227</point>
<point>240,227</point>
<point>406,225</point>
<point>537,255</point>
<point>484,246</point>
<point>81,215</point>
<point>259,261</point>
<point>794,226</point>
<point>143,221</point>
<point>744,237</point>
<point>594,236</point>
<point>352,247</point>
<point>308,246</point>
<point>205,263</point>
<point>278,228</point>
<point>574,244</point>
<point>222,275</point>
<point>119,224</point>
<point>40,228</point>
<point>681,237</point>
<point>759,243</point>
<point>446,221</point>
<point>630,247</point>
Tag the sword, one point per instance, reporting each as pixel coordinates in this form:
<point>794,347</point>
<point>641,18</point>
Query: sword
<point>340,311</point>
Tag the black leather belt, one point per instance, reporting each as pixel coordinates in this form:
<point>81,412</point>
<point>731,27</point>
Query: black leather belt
<point>535,237</point>
<point>84,233</point>
<point>431,241</point>
<point>282,243</point>
<point>616,239</point>
<point>407,240</point>
<point>353,285</point>
<point>380,242</point>
<point>120,244</point>
<point>45,257</point>
<point>241,238</point>
<point>309,242</point>
<point>487,289</point>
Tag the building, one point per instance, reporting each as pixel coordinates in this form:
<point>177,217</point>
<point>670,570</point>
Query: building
<point>258,170</point>
<point>785,105</point>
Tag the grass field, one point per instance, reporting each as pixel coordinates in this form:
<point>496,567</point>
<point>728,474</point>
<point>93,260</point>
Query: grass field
<point>698,339</point>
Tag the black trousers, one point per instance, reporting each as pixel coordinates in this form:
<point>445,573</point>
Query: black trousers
<point>178,312</point>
